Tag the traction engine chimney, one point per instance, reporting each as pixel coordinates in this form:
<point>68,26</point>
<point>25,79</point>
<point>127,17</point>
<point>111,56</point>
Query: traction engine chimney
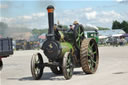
<point>50,10</point>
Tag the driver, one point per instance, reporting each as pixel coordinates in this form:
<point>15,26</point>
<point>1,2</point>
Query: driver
<point>75,23</point>
<point>57,35</point>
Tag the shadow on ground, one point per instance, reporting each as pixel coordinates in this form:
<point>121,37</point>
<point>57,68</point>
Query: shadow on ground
<point>48,76</point>
<point>120,73</point>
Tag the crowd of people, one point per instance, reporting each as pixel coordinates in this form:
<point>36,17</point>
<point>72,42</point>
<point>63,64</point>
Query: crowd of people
<point>115,41</point>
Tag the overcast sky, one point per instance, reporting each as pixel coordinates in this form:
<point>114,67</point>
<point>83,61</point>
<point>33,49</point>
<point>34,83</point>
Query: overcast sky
<point>33,14</point>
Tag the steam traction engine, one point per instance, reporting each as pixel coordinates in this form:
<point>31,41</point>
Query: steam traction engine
<point>71,50</point>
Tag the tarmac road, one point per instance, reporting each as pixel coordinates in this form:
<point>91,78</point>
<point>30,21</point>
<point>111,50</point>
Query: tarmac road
<point>112,70</point>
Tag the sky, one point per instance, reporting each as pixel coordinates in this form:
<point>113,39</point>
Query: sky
<point>33,13</point>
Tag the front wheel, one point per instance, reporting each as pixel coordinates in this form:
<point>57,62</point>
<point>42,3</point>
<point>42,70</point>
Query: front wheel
<point>67,66</point>
<point>1,64</point>
<point>37,66</point>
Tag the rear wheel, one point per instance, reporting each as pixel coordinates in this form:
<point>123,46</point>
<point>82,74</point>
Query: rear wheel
<point>89,56</point>
<point>56,70</point>
<point>67,66</point>
<point>37,66</point>
<point>78,35</point>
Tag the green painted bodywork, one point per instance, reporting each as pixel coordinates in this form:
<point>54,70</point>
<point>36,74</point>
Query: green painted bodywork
<point>66,47</point>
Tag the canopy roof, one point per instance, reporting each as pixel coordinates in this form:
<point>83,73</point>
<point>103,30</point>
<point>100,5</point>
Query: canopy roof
<point>89,27</point>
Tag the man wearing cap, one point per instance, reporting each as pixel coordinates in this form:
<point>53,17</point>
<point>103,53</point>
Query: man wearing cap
<point>71,29</point>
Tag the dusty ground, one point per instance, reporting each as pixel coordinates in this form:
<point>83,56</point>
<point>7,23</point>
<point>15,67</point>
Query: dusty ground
<point>113,70</point>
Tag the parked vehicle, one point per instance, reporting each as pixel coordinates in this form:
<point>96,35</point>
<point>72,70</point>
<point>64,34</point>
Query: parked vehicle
<point>94,35</point>
<point>6,49</point>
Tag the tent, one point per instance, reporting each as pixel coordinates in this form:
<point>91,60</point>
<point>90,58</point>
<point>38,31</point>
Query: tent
<point>124,35</point>
<point>103,37</point>
<point>42,36</point>
<point>117,35</point>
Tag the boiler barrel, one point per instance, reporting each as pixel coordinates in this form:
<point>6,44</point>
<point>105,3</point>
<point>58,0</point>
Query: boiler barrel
<point>66,47</point>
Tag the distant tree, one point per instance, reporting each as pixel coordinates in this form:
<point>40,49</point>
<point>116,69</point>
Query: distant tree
<point>116,25</point>
<point>102,28</point>
<point>36,31</point>
<point>45,30</point>
<point>125,29</point>
<point>39,31</point>
<point>124,26</point>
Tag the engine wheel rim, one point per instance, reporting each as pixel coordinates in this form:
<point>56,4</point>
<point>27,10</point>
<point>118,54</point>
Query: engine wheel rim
<point>37,66</point>
<point>92,57</point>
<point>69,66</point>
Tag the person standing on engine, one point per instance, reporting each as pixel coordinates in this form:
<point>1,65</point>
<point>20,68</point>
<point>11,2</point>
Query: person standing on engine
<point>57,35</point>
<point>71,29</point>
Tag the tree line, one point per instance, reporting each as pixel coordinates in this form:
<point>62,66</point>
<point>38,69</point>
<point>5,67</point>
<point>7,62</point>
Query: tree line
<point>120,25</point>
<point>36,31</point>
<point>6,30</point>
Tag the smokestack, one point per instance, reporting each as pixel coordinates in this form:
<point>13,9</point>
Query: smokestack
<point>50,10</point>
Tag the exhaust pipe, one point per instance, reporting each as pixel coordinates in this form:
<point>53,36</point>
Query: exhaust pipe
<point>50,10</point>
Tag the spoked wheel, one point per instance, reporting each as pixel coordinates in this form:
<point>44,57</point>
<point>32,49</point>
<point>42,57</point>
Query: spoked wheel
<point>89,56</point>
<point>56,70</point>
<point>67,66</point>
<point>78,35</point>
<point>37,66</point>
<point>1,64</point>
